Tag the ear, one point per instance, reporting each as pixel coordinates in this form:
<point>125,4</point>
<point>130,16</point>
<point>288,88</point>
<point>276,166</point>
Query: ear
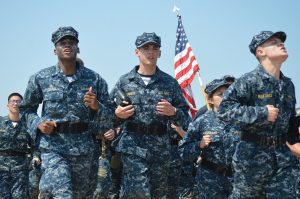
<point>136,52</point>
<point>78,50</point>
<point>159,55</point>
<point>54,51</point>
<point>260,52</point>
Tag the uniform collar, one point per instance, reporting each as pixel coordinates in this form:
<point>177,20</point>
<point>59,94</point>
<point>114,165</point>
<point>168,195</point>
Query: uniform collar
<point>8,121</point>
<point>261,71</point>
<point>59,72</point>
<point>133,75</point>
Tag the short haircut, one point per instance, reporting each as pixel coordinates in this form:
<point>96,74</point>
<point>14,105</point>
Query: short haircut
<point>14,94</point>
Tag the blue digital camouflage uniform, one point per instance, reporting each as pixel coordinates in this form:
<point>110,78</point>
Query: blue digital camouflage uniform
<point>188,186</point>
<point>261,170</point>
<point>175,173</point>
<point>14,167</point>
<point>35,173</point>
<point>146,156</point>
<point>66,154</point>
<point>211,183</point>
<point>116,167</point>
<point>103,171</point>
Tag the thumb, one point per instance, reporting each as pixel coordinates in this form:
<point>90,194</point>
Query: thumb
<point>53,123</point>
<point>90,89</point>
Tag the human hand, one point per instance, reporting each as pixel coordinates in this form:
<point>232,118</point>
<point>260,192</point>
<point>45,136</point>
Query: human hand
<point>178,129</point>
<point>272,113</point>
<point>109,135</point>
<point>90,100</point>
<point>205,141</point>
<point>165,108</point>
<point>124,112</point>
<point>117,130</point>
<point>36,160</point>
<point>47,127</point>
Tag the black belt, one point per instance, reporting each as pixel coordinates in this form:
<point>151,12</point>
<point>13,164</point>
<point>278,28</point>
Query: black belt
<point>151,129</point>
<point>220,169</point>
<point>12,153</point>
<point>264,140</point>
<point>69,127</point>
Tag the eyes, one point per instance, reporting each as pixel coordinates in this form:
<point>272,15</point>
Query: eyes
<point>273,42</point>
<point>218,94</point>
<point>15,102</point>
<point>148,48</point>
<point>67,42</point>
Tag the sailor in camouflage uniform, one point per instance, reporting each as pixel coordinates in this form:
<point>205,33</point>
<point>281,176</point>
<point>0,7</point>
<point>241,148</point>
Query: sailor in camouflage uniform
<point>154,99</point>
<point>215,142</point>
<point>74,99</point>
<point>103,171</point>
<point>35,173</point>
<point>261,102</point>
<point>15,145</point>
<point>175,173</point>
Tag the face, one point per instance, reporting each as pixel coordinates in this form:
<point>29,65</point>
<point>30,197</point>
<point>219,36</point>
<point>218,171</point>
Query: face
<point>66,48</point>
<point>148,54</point>
<point>273,48</point>
<point>216,98</point>
<point>13,104</point>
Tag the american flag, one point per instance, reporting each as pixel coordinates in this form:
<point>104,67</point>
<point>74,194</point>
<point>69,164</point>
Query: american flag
<point>186,66</point>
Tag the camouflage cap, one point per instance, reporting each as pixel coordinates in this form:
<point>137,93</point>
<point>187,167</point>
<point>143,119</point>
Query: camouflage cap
<point>262,37</point>
<point>227,80</point>
<point>63,32</point>
<point>146,38</point>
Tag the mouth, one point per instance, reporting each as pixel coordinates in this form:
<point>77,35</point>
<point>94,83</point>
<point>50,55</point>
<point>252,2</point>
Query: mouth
<point>67,50</point>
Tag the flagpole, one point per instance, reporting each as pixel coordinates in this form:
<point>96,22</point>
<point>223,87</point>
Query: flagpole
<point>176,10</point>
<point>203,92</point>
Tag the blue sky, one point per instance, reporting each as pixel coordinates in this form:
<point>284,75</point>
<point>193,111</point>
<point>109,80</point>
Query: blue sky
<point>219,32</point>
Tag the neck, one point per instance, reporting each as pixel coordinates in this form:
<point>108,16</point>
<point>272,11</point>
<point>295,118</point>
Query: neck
<point>272,68</point>
<point>14,117</point>
<point>68,67</point>
<point>146,70</point>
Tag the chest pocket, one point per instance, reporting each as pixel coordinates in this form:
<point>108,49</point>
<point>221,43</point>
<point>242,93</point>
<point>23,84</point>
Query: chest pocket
<point>164,94</point>
<point>214,135</point>
<point>54,96</point>
<point>265,98</point>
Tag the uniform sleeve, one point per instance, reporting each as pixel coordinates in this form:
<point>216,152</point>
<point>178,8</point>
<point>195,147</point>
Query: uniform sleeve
<point>236,106</point>
<point>189,148</point>
<point>30,103</point>
<point>181,106</point>
<point>113,95</point>
<point>103,117</point>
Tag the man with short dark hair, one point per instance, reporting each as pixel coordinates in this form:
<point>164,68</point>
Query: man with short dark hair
<point>15,146</point>
<point>261,102</point>
<point>154,99</point>
<point>75,102</point>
